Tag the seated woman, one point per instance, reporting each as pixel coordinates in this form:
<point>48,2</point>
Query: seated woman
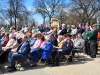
<point>55,48</point>
<point>14,47</point>
<point>3,43</point>
<point>44,52</point>
<point>37,42</point>
<point>10,42</point>
<point>3,37</point>
<point>42,39</point>
<point>51,31</point>
<point>41,46</point>
<point>60,43</point>
<point>6,40</point>
<point>5,50</point>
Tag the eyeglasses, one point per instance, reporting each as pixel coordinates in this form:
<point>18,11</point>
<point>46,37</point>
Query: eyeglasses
<point>77,35</point>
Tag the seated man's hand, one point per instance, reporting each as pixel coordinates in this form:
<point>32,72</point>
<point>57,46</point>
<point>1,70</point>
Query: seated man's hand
<point>54,46</point>
<point>88,38</point>
<point>15,53</point>
<point>75,47</point>
<point>3,48</point>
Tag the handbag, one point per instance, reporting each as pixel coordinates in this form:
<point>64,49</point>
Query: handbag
<point>98,43</point>
<point>40,49</point>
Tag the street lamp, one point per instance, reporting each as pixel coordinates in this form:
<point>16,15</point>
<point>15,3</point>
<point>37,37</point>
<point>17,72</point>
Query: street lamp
<point>44,20</point>
<point>98,20</point>
<point>62,19</point>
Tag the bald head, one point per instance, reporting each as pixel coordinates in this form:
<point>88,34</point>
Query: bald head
<point>24,38</point>
<point>11,36</point>
<point>68,26</point>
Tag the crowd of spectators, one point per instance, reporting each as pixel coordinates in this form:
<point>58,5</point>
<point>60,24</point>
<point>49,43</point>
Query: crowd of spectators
<point>29,43</point>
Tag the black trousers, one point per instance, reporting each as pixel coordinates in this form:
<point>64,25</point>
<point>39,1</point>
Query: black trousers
<point>93,48</point>
<point>97,48</point>
<point>4,54</point>
<point>57,54</point>
<point>87,47</point>
<point>54,52</point>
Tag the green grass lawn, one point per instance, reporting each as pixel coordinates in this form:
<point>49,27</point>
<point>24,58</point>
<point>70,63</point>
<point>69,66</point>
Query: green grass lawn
<point>7,30</point>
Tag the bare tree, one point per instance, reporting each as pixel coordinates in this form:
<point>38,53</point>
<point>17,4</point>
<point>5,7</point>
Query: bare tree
<point>85,9</point>
<point>25,18</point>
<point>12,9</point>
<point>16,7</point>
<point>49,8</point>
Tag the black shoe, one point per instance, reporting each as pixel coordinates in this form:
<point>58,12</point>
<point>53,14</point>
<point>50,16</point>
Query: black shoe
<point>1,62</point>
<point>12,69</point>
<point>89,54</point>
<point>55,64</point>
<point>93,56</point>
<point>97,53</point>
<point>52,64</point>
<point>33,65</point>
<point>9,67</point>
<point>49,63</point>
<point>86,53</point>
<point>69,60</point>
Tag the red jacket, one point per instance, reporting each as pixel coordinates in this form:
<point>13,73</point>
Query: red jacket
<point>5,42</point>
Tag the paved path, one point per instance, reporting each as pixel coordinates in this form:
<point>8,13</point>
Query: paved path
<point>90,66</point>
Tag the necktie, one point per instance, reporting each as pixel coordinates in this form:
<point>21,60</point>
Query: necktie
<point>21,47</point>
<point>77,43</point>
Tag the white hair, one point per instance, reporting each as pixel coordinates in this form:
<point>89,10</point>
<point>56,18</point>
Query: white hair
<point>63,24</point>
<point>18,35</point>
<point>60,37</point>
<point>47,37</point>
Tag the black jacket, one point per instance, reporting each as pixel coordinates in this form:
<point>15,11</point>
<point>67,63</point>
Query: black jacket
<point>64,31</point>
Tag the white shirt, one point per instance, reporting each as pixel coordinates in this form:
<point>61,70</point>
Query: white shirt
<point>74,31</point>
<point>25,29</point>
<point>10,42</point>
<point>79,43</point>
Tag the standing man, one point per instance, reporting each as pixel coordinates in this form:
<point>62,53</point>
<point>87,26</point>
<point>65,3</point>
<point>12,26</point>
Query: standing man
<point>68,29</point>
<point>73,30</point>
<point>64,30</point>
<point>93,41</point>
<point>86,34</point>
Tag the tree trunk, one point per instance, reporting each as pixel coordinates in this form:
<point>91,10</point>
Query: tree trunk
<point>44,20</point>
<point>15,21</point>
<point>10,21</point>
<point>50,21</point>
<point>88,20</point>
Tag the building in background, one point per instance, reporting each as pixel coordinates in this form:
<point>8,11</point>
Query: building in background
<point>55,21</point>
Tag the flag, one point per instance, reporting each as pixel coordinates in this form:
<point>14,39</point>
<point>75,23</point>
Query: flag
<point>82,23</point>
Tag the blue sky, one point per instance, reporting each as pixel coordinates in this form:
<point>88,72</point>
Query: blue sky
<point>28,3</point>
<point>37,17</point>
